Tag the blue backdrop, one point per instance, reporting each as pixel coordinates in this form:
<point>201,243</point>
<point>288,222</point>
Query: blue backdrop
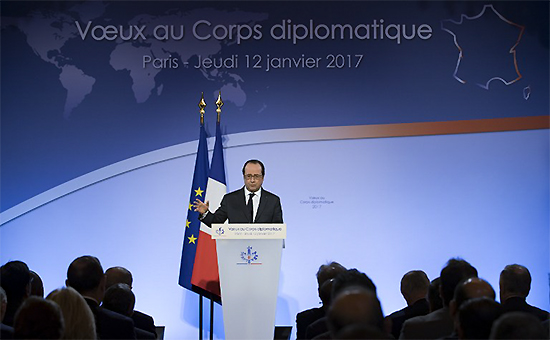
<point>99,130</point>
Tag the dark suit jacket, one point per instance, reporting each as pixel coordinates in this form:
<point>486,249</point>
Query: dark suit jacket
<point>233,208</point>
<point>141,334</point>
<point>435,325</point>
<point>420,307</point>
<point>317,328</point>
<point>144,321</point>
<point>306,318</point>
<point>111,325</point>
<point>518,304</point>
<point>6,332</point>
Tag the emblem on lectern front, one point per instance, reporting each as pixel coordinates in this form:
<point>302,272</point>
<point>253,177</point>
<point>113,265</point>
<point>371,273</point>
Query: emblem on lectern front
<point>220,231</point>
<point>249,256</point>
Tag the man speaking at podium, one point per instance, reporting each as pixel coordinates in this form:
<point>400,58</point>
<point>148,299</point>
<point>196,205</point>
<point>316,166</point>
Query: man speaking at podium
<point>250,204</point>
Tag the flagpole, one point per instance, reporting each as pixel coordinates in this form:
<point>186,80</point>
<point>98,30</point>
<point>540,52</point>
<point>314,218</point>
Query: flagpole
<point>200,316</point>
<point>202,105</point>
<point>219,104</point>
<point>211,319</point>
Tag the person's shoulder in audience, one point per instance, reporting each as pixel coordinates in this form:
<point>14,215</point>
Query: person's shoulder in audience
<point>144,321</point>
<point>6,332</point>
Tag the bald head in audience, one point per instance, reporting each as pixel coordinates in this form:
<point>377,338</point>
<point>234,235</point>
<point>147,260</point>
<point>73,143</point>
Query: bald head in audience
<point>118,275</point>
<point>355,305</point>
<point>471,288</point>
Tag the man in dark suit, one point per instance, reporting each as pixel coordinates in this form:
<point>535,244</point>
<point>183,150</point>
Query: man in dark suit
<point>250,204</point>
<point>348,278</point>
<point>515,284</point>
<point>325,274</point>
<point>16,281</point>
<point>120,298</point>
<point>440,323</point>
<point>86,276</point>
<point>142,321</point>
<point>414,288</point>
<point>356,306</point>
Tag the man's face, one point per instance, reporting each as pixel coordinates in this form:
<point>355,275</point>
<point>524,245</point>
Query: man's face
<point>253,178</point>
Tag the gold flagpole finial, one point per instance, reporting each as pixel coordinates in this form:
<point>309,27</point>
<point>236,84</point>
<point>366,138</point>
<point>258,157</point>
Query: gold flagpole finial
<point>219,104</point>
<point>202,105</point>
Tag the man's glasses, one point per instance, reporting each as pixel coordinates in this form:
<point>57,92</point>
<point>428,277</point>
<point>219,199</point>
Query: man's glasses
<point>250,177</point>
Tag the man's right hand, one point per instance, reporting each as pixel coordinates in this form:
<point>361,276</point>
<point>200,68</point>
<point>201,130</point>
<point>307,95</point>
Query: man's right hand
<point>200,206</point>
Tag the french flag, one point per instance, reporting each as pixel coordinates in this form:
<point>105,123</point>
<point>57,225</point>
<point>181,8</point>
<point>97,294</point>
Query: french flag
<point>205,270</point>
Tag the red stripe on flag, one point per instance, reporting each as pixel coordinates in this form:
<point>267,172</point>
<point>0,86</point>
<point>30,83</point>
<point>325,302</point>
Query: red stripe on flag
<point>205,271</point>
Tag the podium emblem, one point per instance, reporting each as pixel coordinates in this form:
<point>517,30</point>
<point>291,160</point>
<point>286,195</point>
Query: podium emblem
<point>249,257</point>
<point>220,231</point>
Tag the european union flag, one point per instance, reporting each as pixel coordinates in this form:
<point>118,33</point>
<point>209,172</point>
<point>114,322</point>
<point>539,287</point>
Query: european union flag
<point>192,225</point>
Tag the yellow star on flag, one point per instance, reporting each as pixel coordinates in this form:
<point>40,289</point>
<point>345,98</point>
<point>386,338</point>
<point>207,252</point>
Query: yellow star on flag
<point>187,223</point>
<point>199,192</point>
<point>192,239</point>
<point>191,206</point>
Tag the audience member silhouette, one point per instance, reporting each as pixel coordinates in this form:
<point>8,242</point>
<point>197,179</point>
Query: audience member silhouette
<point>355,306</point>
<point>79,319</point>
<point>469,289</point>
<point>6,332</point>
<point>518,325</point>
<point>515,284</point>
<point>37,318</point>
<point>349,278</point>
<point>320,326</point>
<point>305,318</point>
<point>15,278</point>
<point>86,276</point>
<point>414,288</point>
<point>476,317</point>
<point>37,286</point>
<point>122,275</point>
<point>120,298</point>
<point>434,299</point>
<point>439,323</point>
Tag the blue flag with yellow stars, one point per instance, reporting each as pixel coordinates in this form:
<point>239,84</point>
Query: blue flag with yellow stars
<point>192,224</point>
